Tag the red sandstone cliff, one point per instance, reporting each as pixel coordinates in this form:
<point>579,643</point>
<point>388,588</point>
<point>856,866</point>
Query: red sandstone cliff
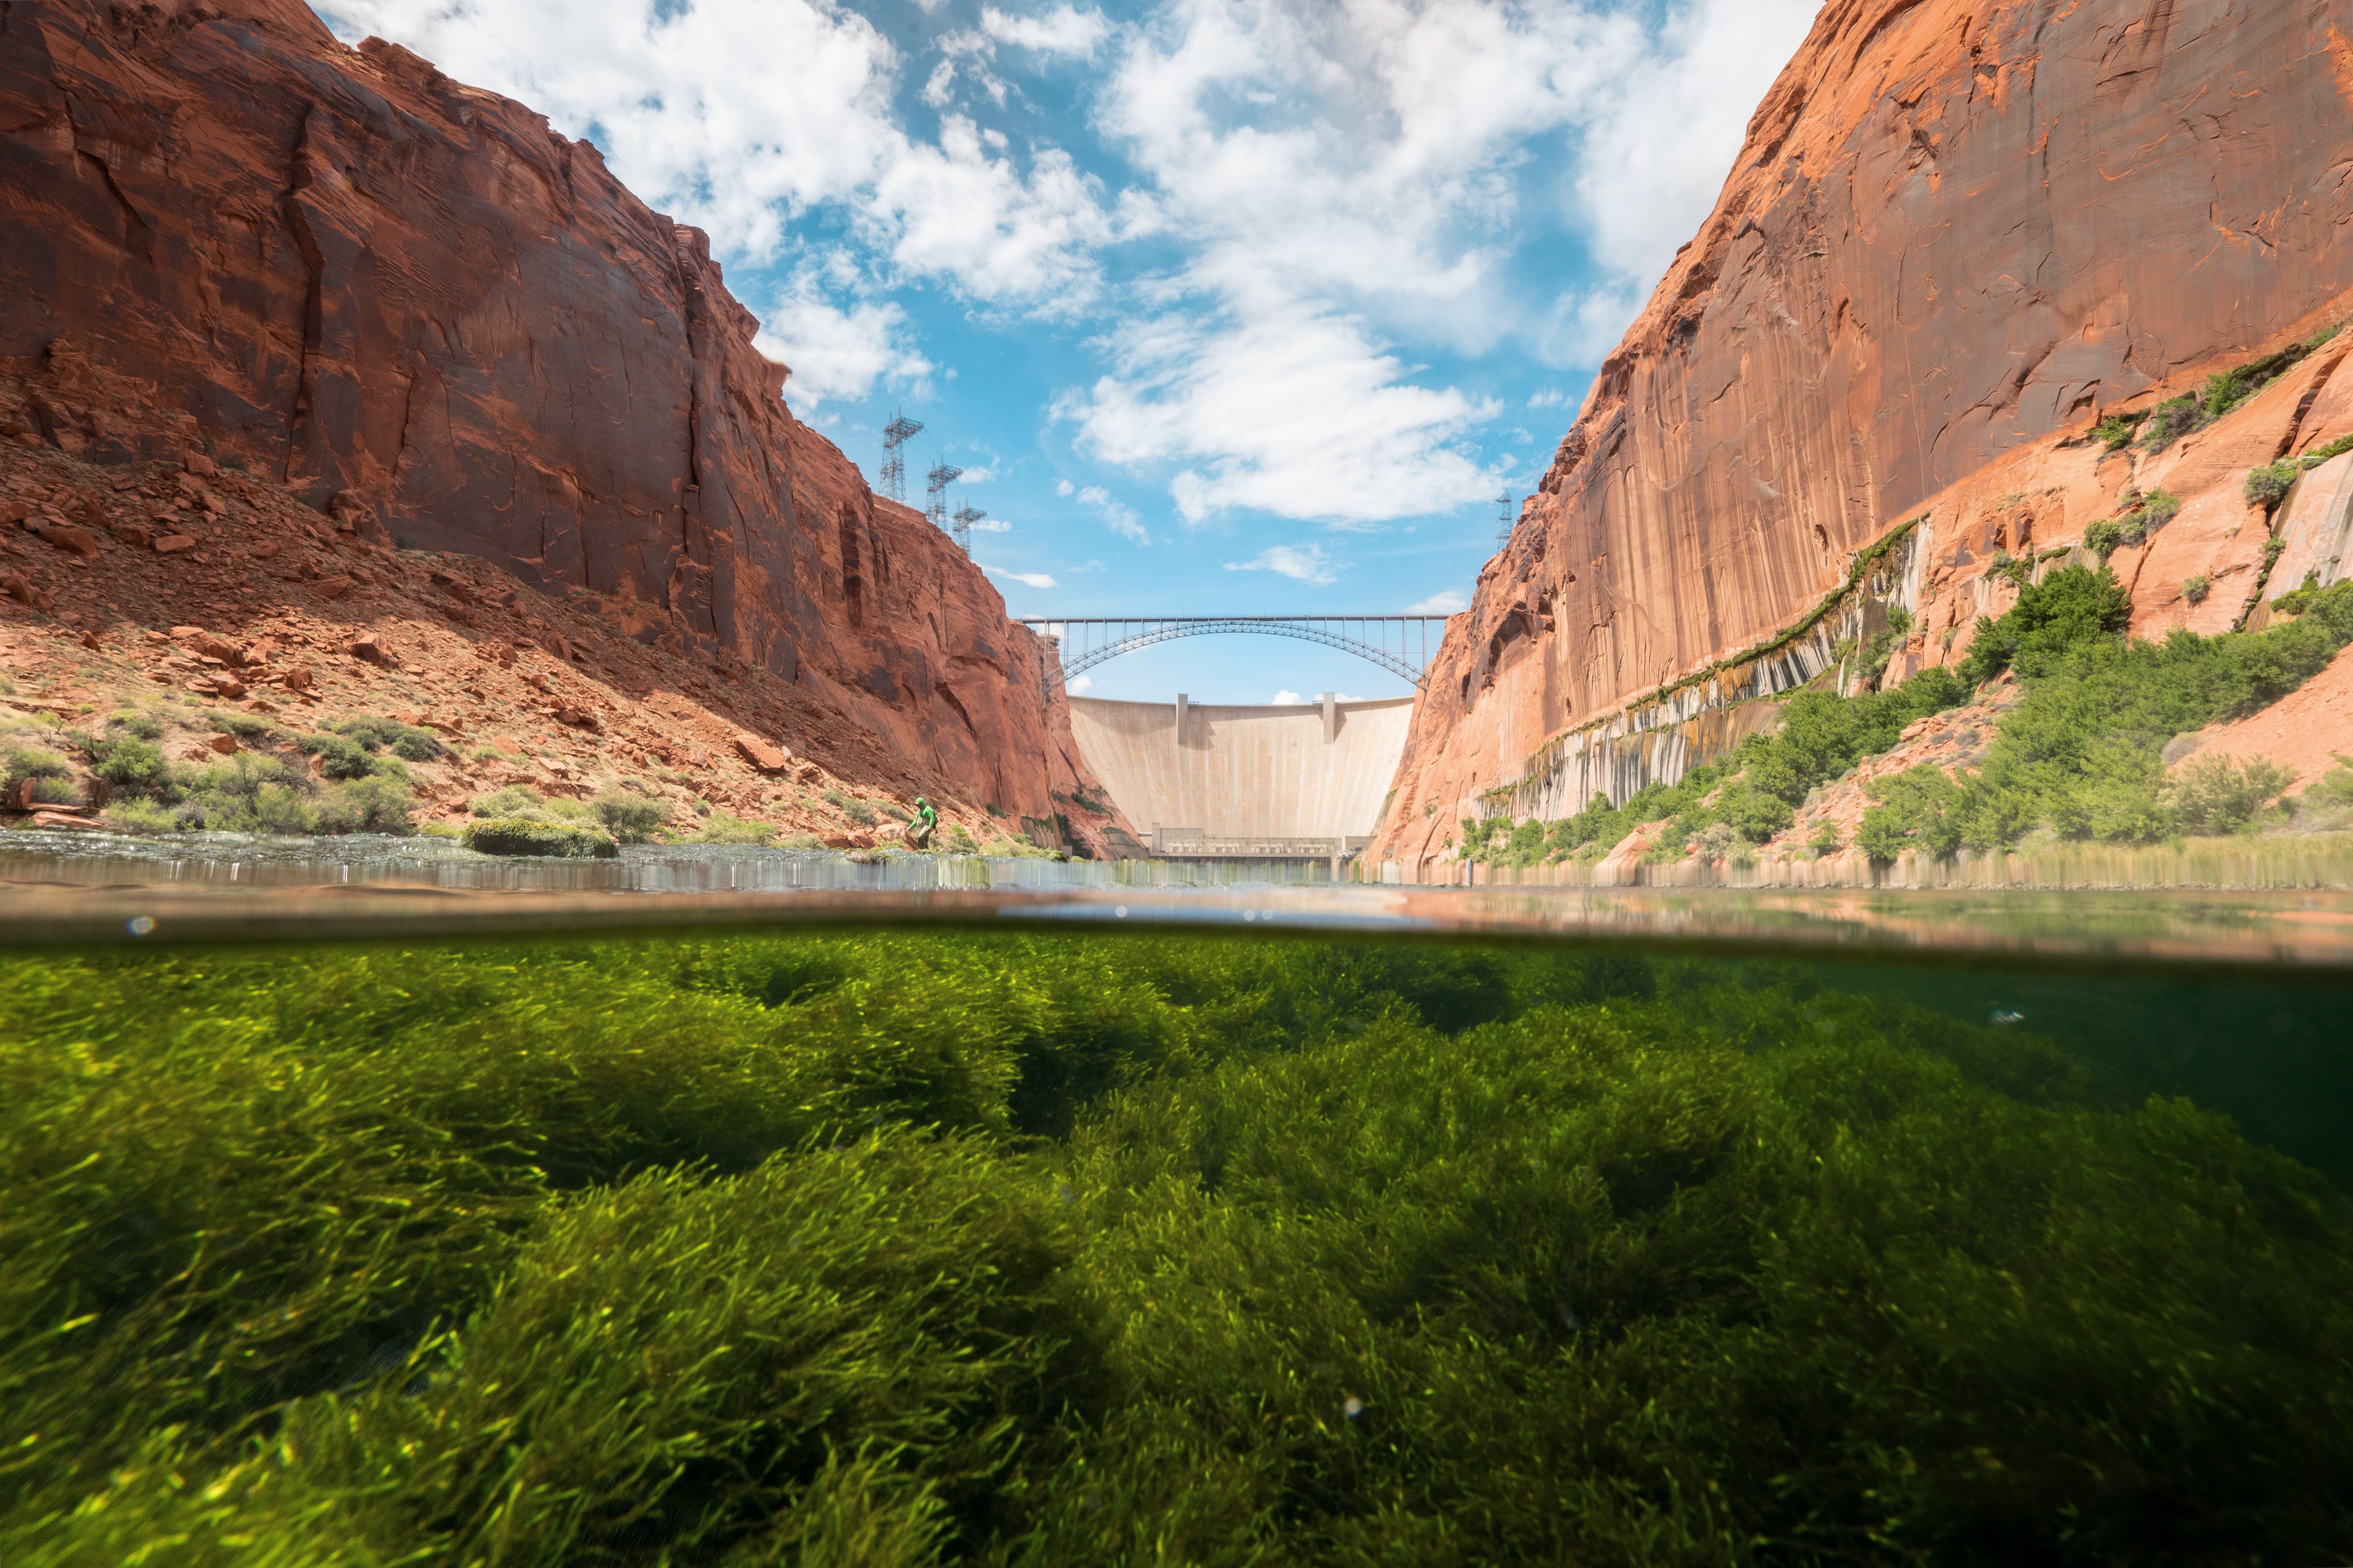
<point>412,303</point>
<point>1960,232</point>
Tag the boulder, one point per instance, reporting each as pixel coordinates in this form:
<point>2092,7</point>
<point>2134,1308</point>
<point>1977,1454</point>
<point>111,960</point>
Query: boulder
<point>763,756</point>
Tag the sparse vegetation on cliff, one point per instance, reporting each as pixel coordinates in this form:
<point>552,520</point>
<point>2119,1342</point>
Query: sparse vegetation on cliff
<point>955,1250</point>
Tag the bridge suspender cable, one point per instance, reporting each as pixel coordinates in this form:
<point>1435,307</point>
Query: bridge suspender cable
<point>1400,644</point>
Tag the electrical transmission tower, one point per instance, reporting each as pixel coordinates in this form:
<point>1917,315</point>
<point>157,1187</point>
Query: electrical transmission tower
<point>1504,519</point>
<point>965,515</point>
<point>942,476</point>
<point>894,465</point>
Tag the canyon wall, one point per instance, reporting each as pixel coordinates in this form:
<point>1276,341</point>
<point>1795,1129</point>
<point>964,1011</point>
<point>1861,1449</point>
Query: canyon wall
<point>1960,231</point>
<point>424,312</point>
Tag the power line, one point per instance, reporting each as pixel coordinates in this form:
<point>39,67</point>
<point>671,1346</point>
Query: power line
<point>894,465</point>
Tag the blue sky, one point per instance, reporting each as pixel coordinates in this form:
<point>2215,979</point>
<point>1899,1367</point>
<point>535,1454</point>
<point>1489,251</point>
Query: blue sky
<point>1224,306</point>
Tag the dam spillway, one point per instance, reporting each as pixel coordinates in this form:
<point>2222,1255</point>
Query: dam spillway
<point>1310,771</point>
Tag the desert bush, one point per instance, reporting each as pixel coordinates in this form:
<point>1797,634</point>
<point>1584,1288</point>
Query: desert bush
<point>1825,841</point>
<point>133,767</point>
<point>2266,486</point>
<point>2195,589</point>
<point>33,764</point>
<point>536,835</point>
<point>2168,422</point>
<point>382,803</point>
<point>721,827</point>
<point>340,756</point>
<point>137,725</point>
<point>2213,794</point>
<point>2103,536</point>
<point>629,818</point>
<point>134,813</point>
<point>2114,431</point>
<point>404,741</point>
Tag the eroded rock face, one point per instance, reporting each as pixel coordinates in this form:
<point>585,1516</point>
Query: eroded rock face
<point>439,321</point>
<point>1960,231</point>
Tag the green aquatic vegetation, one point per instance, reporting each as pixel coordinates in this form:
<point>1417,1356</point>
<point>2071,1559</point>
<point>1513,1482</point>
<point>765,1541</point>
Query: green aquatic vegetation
<point>947,1249</point>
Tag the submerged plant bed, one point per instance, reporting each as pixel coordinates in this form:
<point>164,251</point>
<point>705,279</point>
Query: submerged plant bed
<point>901,1250</point>
<point>532,835</point>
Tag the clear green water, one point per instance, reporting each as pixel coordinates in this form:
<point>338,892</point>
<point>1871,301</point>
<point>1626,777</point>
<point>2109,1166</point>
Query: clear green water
<point>1106,1244</point>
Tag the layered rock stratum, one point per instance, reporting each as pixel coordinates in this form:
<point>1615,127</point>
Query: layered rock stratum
<point>412,308</point>
<point>1961,233</point>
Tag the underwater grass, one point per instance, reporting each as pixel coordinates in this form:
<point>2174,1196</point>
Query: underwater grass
<point>1017,1250</point>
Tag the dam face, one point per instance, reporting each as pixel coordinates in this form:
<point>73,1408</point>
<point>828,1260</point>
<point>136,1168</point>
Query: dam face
<point>1314,771</point>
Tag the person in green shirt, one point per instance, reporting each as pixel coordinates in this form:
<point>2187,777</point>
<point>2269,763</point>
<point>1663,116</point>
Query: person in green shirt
<point>926,822</point>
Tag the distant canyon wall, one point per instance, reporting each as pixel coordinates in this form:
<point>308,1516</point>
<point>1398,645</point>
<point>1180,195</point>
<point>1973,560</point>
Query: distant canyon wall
<point>415,304</point>
<point>1960,231</point>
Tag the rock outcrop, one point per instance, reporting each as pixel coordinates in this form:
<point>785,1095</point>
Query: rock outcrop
<point>1962,232</point>
<point>420,311</point>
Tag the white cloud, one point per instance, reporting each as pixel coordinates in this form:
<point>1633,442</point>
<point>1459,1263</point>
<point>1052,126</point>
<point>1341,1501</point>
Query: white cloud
<point>1065,30</point>
<point>1652,166</point>
<point>1083,684</point>
<point>742,115</point>
<point>835,353</point>
<point>1031,579</point>
<point>1120,519</point>
<point>1549,397</point>
<point>1286,698</point>
<point>1445,602</point>
<point>1304,564</point>
<point>992,525</point>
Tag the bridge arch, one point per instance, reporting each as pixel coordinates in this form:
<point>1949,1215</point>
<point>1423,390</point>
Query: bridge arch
<point>1402,645</point>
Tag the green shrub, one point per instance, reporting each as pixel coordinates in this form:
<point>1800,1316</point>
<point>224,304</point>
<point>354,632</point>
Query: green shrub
<point>719,828</point>
<point>404,741</point>
<point>515,800</point>
<point>2103,536</point>
<point>2214,794</point>
<point>2266,486</point>
<point>134,767</point>
<point>244,726</point>
<point>37,765</point>
<point>2114,432</point>
<point>629,818</point>
<point>2195,589</point>
<point>2070,606</point>
<point>55,792</point>
<point>2320,455</point>
<point>134,815</point>
<point>2168,422</point>
<point>340,756</point>
<point>137,725</point>
<point>381,802</point>
<point>1825,841</point>
<point>531,836</point>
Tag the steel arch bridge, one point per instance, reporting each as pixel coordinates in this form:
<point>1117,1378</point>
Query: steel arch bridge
<point>1401,645</point>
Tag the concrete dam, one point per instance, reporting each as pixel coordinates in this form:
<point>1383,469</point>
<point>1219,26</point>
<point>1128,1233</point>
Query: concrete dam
<point>1256,782</point>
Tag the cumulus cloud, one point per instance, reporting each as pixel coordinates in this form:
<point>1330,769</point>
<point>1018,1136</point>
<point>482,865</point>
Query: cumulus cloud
<point>689,102</point>
<point>1445,602</point>
<point>1119,518</point>
<point>1065,30</point>
<point>838,354</point>
<point>1084,683</point>
<point>1029,579</point>
<point>991,525</point>
<point>1301,562</point>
